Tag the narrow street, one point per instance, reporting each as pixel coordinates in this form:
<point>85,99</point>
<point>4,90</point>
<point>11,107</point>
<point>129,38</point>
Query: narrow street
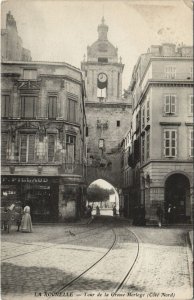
<point>107,258</point>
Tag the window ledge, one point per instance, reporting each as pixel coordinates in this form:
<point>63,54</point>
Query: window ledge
<point>170,123</point>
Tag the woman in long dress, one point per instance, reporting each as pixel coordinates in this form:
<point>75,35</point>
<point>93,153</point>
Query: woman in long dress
<point>26,224</point>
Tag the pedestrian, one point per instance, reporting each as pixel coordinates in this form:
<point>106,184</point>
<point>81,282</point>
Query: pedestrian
<point>120,211</point>
<point>18,214</point>
<point>114,210</point>
<point>26,223</point>
<point>159,213</point>
<point>89,211</point>
<point>97,210</point>
<point>169,214</point>
<point>173,214</point>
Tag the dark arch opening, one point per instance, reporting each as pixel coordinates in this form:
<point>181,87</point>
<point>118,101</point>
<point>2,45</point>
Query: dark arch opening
<point>177,191</point>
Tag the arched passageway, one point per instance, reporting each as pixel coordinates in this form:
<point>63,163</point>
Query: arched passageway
<point>177,193</point>
<point>103,198</point>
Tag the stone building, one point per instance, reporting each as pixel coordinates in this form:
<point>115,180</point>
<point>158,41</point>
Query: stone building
<point>43,157</point>
<point>108,113</point>
<point>162,130</point>
<point>11,43</point>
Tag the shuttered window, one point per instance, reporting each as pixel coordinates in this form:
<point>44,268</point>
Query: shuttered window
<point>3,146</point>
<point>28,107</point>
<point>170,104</point>
<point>27,148</point>
<point>143,117</point>
<point>70,148</point>
<point>143,149</point>
<point>170,72</point>
<point>5,106</point>
<point>170,143</point>
<point>51,147</point>
<point>148,145</point>
<point>52,107</point>
<point>191,104</point>
<point>191,146</point>
<point>148,110</point>
<point>72,110</point>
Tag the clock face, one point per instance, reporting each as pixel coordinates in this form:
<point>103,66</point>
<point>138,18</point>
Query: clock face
<point>102,77</point>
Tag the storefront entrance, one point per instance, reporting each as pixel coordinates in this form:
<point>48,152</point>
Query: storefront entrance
<point>40,193</point>
<point>177,194</point>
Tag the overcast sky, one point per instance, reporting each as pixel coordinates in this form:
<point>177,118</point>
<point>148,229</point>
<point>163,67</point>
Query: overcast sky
<point>61,30</point>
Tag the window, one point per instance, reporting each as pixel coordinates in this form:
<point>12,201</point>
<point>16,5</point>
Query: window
<point>30,74</point>
<point>4,146</point>
<point>148,110</point>
<point>103,59</point>
<point>148,145</point>
<point>143,149</point>
<point>170,143</point>
<point>101,94</point>
<point>51,147</point>
<point>170,72</point>
<point>87,131</point>
<point>70,148</point>
<point>118,123</point>
<point>191,152</point>
<point>143,117</point>
<point>5,106</point>
<point>191,104</point>
<point>28,107</point>
<point>27,147</point>
<point>170,104</point>
<point>137,120</point>
<point>72,109</point>
<point>191,72</point>
<point>52,107</point>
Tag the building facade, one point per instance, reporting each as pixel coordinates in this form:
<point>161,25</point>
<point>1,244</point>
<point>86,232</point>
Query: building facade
<point>162,130</point>
<point>108,113</point>
<point>43,154</point>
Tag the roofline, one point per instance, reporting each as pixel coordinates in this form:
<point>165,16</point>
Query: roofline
<point>41,63</point>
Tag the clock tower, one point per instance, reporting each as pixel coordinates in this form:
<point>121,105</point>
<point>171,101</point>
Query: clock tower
<point>108,113</point>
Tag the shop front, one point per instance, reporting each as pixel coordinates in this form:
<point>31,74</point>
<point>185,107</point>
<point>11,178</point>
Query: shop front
<point>40,193</point>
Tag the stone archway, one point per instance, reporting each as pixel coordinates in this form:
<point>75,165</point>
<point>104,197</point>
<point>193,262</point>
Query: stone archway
<point>106,199</point>
<point>177,191</point>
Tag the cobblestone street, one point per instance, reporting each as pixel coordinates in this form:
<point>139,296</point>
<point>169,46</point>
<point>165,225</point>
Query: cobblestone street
<point>43,263</point>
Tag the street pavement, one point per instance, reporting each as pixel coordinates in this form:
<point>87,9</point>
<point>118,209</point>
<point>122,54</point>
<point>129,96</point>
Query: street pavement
<point>36,264</point>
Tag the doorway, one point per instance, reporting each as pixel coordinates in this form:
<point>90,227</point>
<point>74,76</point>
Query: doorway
<point>177,188</point>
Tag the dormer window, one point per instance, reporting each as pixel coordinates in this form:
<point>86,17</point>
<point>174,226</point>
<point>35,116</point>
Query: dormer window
<point>30,74</point>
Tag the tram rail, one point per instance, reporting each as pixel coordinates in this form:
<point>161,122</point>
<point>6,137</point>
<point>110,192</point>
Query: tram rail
<point>78,237</point>
<point>65,288</point>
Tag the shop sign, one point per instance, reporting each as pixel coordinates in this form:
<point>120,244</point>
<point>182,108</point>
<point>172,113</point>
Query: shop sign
<point>13,180</point>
